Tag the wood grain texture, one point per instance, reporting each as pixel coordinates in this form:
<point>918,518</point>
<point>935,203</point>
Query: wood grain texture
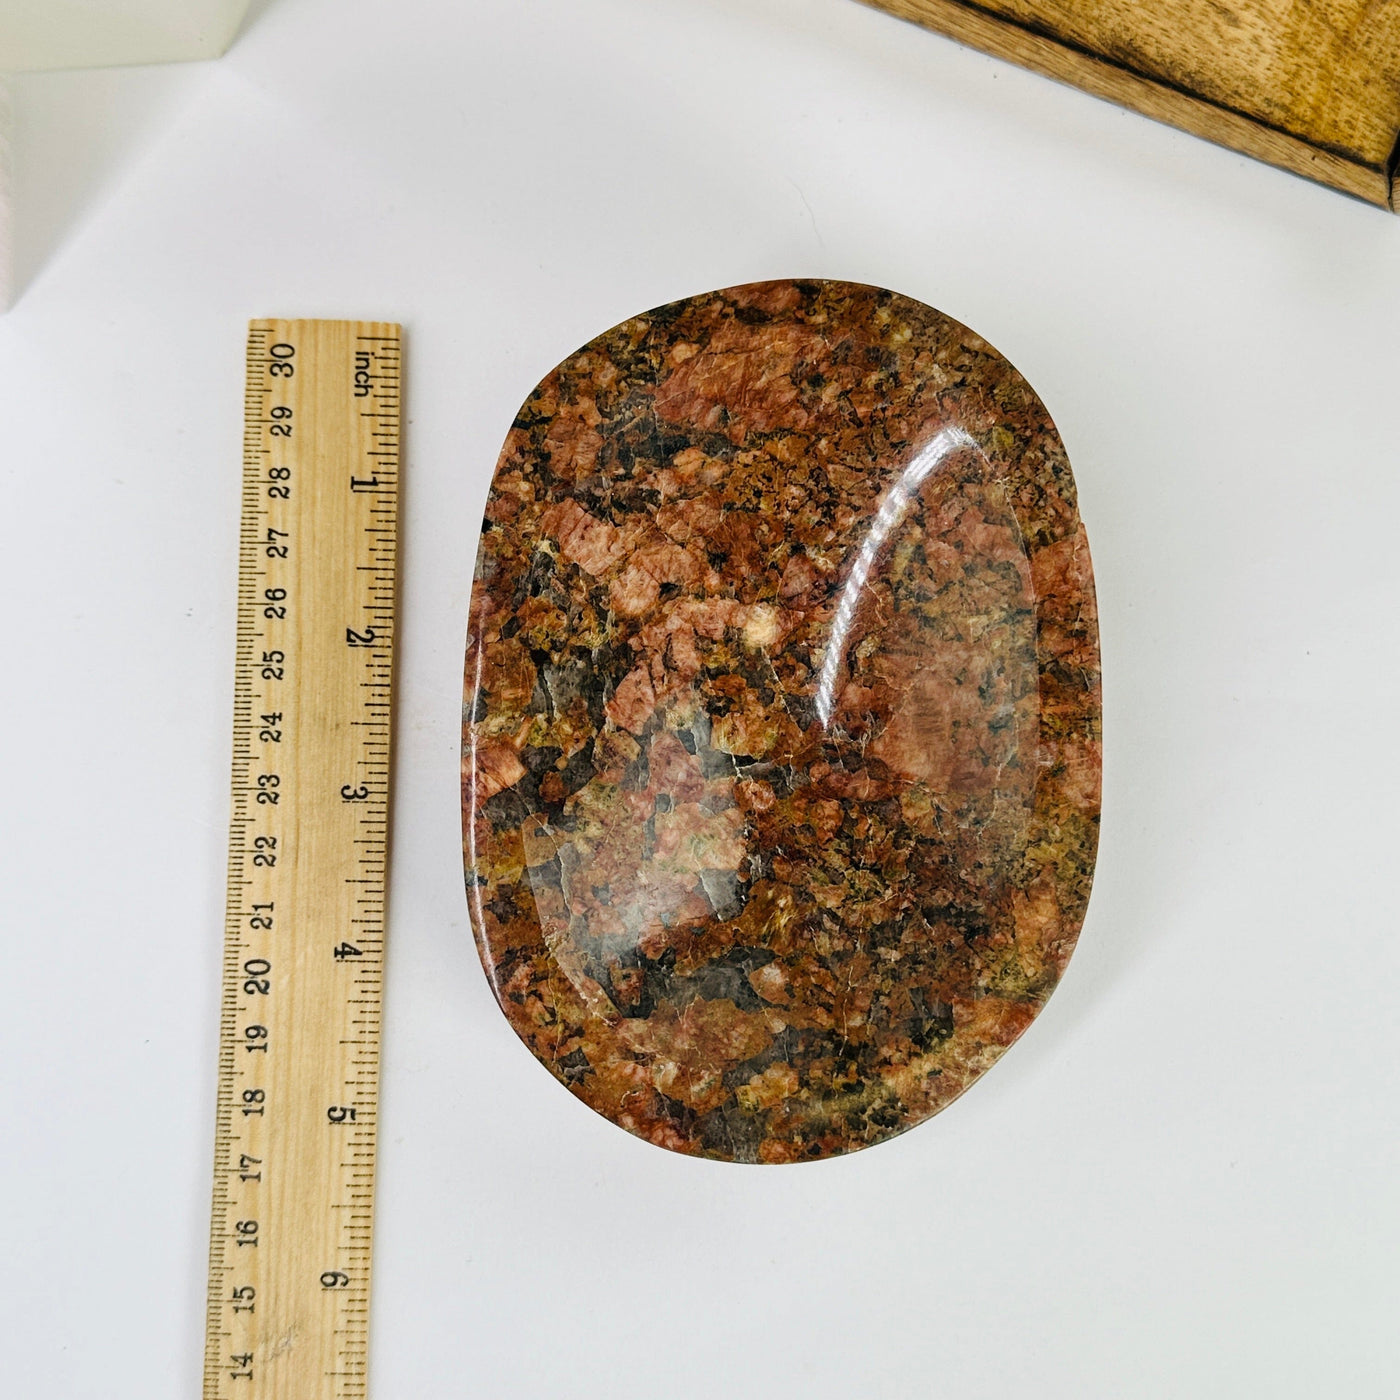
<point>289,1268</point>
<point>1312,86</point>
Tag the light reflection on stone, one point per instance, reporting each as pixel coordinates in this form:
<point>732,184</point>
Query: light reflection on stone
<point>780,765</point>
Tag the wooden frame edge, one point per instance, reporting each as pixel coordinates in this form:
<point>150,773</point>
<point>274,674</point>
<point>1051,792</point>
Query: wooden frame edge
<point>1147,96</point>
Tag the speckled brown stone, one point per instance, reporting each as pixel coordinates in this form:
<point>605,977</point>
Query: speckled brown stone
<point>781,752</point>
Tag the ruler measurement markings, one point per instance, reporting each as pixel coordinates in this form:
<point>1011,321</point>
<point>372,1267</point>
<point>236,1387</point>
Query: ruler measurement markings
<point>275,1345</point>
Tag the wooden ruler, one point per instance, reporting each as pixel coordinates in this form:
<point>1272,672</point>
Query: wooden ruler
<point>289,1254</point>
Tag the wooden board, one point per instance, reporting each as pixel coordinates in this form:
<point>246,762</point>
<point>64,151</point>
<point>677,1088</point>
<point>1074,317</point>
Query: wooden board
<point>1309,85</point>
<point>289,1255</point>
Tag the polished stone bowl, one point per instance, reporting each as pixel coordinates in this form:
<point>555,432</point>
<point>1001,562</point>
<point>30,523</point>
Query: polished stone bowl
<point>780,772</point>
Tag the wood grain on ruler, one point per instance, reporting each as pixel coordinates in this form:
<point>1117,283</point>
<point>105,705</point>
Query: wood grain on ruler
<point>289,1269</point>
<point>1314,88</point>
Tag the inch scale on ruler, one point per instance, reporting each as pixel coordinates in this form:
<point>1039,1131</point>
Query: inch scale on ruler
<point>289,1252</point>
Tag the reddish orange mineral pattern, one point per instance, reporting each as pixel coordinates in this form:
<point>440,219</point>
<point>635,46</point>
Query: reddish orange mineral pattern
<point>781,756</point>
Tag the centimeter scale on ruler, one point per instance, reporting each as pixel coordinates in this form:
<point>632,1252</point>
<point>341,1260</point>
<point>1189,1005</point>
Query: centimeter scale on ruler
<point>289,1256</point>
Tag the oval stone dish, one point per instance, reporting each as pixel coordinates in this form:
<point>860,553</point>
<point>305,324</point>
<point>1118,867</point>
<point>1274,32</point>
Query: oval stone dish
<point>780,774</point>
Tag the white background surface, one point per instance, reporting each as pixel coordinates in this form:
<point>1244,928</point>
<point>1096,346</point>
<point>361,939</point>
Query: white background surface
<point>1182,1182</point>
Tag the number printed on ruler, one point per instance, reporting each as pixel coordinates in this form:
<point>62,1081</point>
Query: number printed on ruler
<point>289,1269</point>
